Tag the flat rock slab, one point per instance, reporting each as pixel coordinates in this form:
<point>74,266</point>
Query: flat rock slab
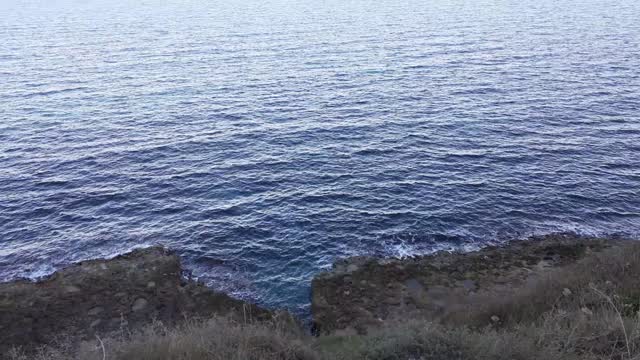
<point>103,296</point>
<point>362,292</point>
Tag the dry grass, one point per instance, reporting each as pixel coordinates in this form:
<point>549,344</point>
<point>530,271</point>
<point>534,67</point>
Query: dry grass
<point>420,340</point>
<point>613,273</point>
<point>212,339</point>
<point>589,310</point>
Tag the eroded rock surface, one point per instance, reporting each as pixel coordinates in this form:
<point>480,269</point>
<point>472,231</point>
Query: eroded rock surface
<point>361,292</point>
<point>103,296</point>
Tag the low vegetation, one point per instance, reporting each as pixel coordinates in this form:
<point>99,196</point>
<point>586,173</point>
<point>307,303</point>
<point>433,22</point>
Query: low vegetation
<point>588,310</point>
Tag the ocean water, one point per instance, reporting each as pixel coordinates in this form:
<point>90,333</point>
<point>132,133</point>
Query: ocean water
<point>262,140</point>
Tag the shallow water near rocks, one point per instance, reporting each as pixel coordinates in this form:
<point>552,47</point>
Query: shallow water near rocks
<point>264,139</point>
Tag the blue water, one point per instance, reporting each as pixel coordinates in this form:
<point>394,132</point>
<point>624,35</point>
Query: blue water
<point>264,139</point>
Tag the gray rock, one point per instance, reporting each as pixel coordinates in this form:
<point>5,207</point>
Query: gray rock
<point>72,289</point>
<point>95,323</point>
<point>139,304</point>
<point>95,311</point>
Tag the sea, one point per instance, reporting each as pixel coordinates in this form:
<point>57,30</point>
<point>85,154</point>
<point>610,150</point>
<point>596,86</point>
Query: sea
<point>264,139</point>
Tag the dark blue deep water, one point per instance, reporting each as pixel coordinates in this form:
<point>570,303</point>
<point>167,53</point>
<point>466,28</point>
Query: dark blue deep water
<point>264,139</point>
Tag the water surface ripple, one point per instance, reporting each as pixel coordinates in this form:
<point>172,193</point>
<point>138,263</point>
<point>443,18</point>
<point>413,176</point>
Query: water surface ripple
<point>264,139</point>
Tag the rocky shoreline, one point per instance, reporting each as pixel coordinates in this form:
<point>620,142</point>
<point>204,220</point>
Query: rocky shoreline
<point>106,296</point>
<point>361,293</point>
<point>100,297</point>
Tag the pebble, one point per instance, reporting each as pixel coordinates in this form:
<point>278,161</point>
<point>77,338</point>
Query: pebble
<point>139,304</point>
<point>95,323</point>
<point>95,311</point>
<point>72,289</point>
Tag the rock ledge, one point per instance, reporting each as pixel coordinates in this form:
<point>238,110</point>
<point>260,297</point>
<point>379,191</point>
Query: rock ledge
<point>361,292</point>
<point>104,296</point>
